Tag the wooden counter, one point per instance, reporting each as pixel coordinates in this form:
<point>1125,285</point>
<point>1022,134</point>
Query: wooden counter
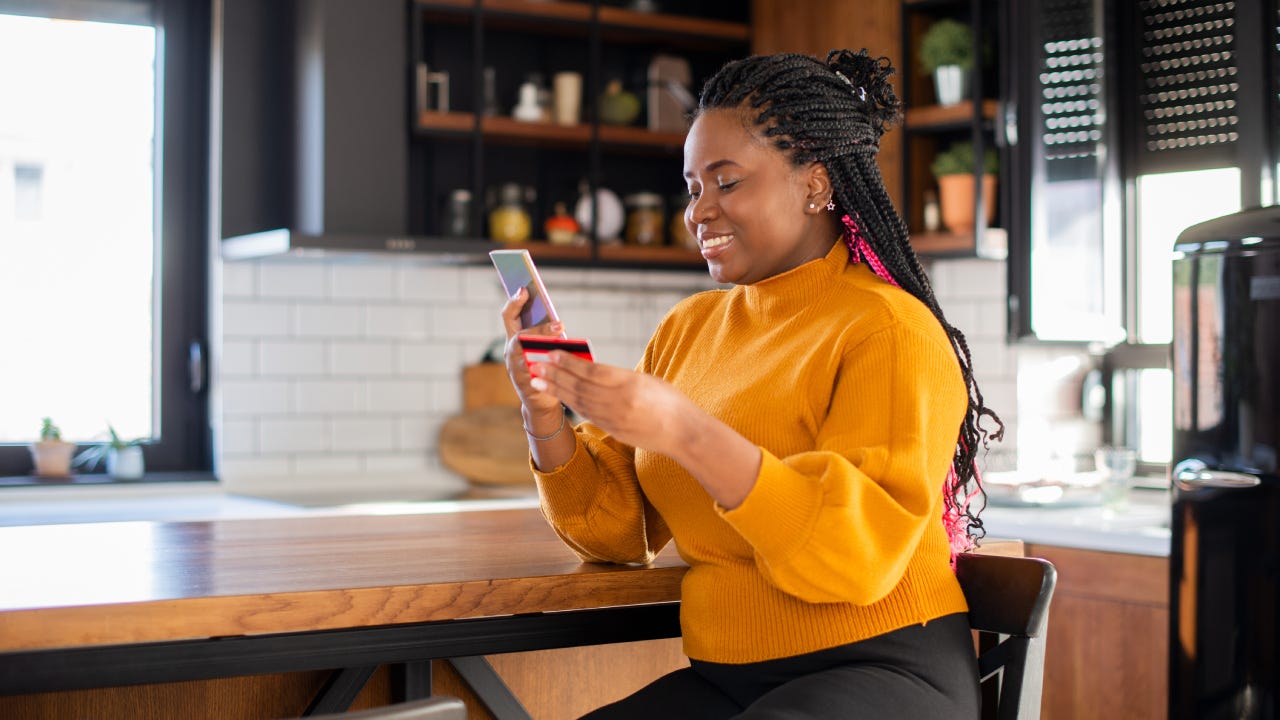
<point>253,614</point>
<point>100,584</point>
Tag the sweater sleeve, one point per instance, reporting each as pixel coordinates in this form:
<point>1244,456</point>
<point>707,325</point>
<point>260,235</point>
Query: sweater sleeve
<point>595,504</point>
<point>841,522</point>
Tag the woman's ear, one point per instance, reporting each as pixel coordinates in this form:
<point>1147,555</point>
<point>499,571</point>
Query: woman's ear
<point>818,187</point>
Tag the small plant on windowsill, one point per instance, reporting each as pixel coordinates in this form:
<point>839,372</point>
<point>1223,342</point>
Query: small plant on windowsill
<point>123,457</point>
<point>51,454</point>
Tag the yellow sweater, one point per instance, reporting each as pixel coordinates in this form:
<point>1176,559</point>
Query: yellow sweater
<point>851,390</point>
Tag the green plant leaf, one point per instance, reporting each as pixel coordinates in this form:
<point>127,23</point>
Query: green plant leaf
<point>946,42</point>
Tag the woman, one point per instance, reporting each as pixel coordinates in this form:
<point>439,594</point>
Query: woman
<point>806,436</point>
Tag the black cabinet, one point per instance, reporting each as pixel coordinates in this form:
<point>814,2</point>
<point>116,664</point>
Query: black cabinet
<point>327,140</point>
<point>486,50</point>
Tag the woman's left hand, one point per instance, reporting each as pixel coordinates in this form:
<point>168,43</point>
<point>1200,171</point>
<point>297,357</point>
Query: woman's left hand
<point>638,409</point>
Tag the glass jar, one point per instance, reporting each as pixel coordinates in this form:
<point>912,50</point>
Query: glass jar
<point>509,222</point>
<point>644,219</point>
<point>680,236</point>
<point>457,215</point>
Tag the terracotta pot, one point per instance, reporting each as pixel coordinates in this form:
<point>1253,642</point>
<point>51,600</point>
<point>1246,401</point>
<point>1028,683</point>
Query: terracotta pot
<point>52,458</point>
<point>956,197</point>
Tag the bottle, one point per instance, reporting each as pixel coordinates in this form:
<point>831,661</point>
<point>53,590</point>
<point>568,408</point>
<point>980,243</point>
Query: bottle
<point>644,219</point>
<point>932,213</point>
<point>560,228</point>
<point>457,214</point>
<point>509,222</point>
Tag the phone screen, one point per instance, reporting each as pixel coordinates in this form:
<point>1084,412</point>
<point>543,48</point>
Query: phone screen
<point>516,269</point>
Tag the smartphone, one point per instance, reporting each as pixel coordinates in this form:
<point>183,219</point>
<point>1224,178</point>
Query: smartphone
<point>517,270</point>
<point>536,348</point>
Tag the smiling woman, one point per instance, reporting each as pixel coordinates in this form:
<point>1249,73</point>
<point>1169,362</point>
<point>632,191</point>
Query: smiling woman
<point>102,178</point>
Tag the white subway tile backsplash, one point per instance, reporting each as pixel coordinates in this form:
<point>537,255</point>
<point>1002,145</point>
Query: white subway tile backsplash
<point>239,437</point>
<point>239,280</point>
<point>238,358</point>
<point>466,322</point>
<point>248,397</point>
<point>328,464</point>
<point>429,359</point>
<point>428,283</point>
<point>398,463</point>
<point>398,396</point>
<point>332,397</point>
<point>363,434</point>
<point>397,321</point>
<point>329,320</point>
<point>292,435</point>
<point>350,368</point>
<point>354,359</point>
<point>362,281</point>
<point>247,318</point>
<point>291,358</point>
<point>418,433</point>
<point>285,279</point>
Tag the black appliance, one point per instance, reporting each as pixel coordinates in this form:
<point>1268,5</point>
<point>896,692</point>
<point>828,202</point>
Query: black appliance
<point>1224,610</point>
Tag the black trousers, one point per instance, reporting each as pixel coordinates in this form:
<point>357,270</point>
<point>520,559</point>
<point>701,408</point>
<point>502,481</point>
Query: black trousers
<point>919,672</point>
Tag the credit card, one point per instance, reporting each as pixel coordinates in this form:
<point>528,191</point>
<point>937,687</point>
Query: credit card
<point>537,348</point>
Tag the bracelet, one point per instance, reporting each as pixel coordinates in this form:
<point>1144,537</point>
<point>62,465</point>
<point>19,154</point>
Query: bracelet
<point>552,436</point>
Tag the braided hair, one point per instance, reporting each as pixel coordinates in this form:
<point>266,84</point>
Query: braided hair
<point>834,113</point>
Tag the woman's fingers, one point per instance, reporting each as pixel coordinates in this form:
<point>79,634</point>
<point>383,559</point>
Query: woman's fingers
<point>511,311</point>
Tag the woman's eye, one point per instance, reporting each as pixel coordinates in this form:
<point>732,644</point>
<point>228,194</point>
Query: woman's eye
<point>693,194</point>
<point>728,185</point>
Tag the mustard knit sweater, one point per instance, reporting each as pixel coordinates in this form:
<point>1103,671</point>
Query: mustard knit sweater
<point>851,390</point>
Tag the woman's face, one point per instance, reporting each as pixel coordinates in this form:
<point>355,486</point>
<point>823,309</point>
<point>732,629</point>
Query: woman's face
<point>749,205</point>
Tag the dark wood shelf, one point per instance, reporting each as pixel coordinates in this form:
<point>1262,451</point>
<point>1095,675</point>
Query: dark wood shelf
<point>640,254</point>
<point>941,243</point>
<point>505,129</point>
<point>928,117</point>
<point>610,18</point>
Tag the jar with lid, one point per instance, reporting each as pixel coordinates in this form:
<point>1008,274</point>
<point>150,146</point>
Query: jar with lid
<point>456,220</point>
<point>644,219</point>
<point>509,222</point>
<point>680,236</point>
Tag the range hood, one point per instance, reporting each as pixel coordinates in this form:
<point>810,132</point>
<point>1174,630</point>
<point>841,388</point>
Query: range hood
<point>311,129</point>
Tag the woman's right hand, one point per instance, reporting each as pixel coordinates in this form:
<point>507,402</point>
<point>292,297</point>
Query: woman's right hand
<point>535,403</point>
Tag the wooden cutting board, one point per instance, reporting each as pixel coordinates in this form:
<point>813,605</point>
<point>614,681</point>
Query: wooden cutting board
<point>485,443</point>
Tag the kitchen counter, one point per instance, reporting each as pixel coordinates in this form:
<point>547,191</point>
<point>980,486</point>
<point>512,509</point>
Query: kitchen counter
<point>1142,529</point>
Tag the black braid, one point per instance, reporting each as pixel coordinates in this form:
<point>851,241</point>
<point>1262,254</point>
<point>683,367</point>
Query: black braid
<point>835,113</point>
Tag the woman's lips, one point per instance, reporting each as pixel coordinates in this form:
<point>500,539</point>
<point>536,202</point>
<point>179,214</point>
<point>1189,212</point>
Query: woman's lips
<point>714,246</point>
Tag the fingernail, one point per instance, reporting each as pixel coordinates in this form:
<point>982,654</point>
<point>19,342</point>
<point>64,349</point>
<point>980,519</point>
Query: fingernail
<point>557,327</point>
<point>538,384</point>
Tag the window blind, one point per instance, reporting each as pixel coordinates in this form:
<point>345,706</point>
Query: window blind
<point>1071,86</point>
<point>1187,85</point>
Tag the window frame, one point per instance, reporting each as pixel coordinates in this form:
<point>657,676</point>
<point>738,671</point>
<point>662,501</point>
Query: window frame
<point>1254,157</point>
<point>184,448</point>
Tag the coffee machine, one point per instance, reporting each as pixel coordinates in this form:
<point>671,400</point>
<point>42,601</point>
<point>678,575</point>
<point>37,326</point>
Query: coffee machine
<point>1224,609</point>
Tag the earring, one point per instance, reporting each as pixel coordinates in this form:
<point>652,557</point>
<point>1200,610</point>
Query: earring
<point>812,206</point>
<point>831,204</point>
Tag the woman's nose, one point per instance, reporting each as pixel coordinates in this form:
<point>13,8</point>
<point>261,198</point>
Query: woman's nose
<point>701,209</point>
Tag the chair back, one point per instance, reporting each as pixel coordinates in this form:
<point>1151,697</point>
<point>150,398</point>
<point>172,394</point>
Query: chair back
<point>1009,609</point>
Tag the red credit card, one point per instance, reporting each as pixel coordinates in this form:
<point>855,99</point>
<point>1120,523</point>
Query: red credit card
<point>537,348</point>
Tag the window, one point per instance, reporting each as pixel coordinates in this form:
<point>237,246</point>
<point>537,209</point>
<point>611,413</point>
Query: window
<point>1180,100</point>
<point>103,124</point>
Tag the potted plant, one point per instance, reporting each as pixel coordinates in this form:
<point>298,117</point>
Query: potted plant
<point>947,52</point>
<point>51,454</point>
<point>123,457</point>
<point>955,170</point>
